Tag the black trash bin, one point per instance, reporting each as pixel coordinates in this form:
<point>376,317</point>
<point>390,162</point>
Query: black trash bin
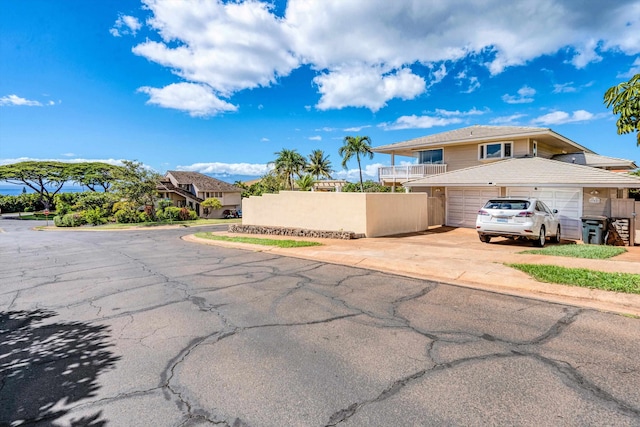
<point>594,229</point>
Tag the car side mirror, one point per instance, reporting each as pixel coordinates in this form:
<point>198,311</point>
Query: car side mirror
<point>555,211</point>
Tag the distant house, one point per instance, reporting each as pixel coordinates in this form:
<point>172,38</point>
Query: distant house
<point>190,189</point>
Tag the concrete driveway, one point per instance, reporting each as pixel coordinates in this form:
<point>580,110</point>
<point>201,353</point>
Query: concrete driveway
<point>144,328</point>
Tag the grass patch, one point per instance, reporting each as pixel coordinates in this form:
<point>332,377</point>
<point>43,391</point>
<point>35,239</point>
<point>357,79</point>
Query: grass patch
<point>260,241</point>
<point>579,251</point>
<point>35,215</point>
<point>618,282</point>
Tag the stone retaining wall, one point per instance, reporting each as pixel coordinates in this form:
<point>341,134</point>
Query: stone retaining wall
<point>297,232</point>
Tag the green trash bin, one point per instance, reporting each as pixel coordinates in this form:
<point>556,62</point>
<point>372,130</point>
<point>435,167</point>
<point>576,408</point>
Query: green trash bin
<point>594,229</point>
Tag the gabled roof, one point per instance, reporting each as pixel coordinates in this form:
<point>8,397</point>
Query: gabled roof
<point>527,172</point>
<point>166,185</point>
<point>203,182</point>
<point>596,161</point>
<point>478,134</point>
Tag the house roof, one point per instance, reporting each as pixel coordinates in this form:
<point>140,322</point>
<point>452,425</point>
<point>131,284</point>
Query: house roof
<point>203,182</point>
<point>527,172</point>
<point>596,161</point>
<point>479,133</point>
<point>166,185</point>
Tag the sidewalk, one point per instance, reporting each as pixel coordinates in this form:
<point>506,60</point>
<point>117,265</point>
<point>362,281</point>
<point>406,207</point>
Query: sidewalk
<point>456,256</point>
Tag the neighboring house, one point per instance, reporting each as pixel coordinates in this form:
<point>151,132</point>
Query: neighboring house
<point>190,189</point>
<point>470,165</point>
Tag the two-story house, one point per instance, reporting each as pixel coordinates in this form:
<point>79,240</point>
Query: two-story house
<point>190,189</point>
<point>467,166</point>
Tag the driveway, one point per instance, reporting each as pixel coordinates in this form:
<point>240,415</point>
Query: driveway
<point>144,328</point>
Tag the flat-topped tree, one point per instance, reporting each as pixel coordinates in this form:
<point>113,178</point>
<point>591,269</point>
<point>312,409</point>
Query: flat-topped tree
<point>44,177</point>
<point>95,175</point>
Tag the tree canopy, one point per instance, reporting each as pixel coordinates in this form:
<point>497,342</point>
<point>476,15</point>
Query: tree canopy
<point>287,164</point>
<point>356,146</point>
<point>137,183</point>
<point>319,165</point>
<point>625,99</point>
<point>45,178</point>
<point>94,175</point>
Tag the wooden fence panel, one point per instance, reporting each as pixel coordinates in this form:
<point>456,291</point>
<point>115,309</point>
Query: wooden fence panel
<point>436,211</point>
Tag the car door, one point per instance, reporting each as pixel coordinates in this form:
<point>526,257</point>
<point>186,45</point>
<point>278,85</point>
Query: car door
<point>546,217</point>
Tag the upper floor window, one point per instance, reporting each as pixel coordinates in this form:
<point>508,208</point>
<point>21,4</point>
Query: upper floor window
<point>431,156</point>
<point>495,150</point>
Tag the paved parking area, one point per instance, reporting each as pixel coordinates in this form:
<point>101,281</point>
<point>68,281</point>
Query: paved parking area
<point>145,328</point>
<point>456,255</point>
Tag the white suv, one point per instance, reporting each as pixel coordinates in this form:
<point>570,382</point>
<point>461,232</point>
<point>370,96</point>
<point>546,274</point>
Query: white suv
<point>518,218</point>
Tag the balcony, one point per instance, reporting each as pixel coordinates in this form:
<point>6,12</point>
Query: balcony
<point>409,172</point>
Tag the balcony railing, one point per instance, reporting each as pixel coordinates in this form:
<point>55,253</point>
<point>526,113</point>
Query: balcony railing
<point>408,172</point>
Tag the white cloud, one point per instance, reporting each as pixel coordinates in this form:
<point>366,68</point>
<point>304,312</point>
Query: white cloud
<point>315,138</point>
<point>15,100</point>
<point>251,169</point>
<point>507,120</point>
<point>264,139</point>
<point>562,117</point>
<point>564,88</point>
<point>524,96</point>
<point>228,46</point>
<point>366,87</point>
<point>369,171</point>
<point>197,100</point>
<point>448,113</point>
<point>635,69</point>
<point>419,122</point>
<point>356,128</point>
<point>363,51</point>
<point>124,25</point>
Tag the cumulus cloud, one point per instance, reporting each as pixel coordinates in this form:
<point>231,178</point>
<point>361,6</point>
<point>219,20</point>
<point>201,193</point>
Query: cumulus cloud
<point>197,100</point>
<point>524,96</point>
<point>251,169</point>
<point>367,52</point>
<point>508,120</point>
<point>356,128</point>
<point>366,87</point>
<point>419,122</point>
<point>15,100</point>
<point>562,117</point>
<point>124,25</point>
<point>368,172</point>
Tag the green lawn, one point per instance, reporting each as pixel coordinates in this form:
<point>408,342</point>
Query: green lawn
<point>579,251</point>
<point>259,241</point>
<point>618,282</point>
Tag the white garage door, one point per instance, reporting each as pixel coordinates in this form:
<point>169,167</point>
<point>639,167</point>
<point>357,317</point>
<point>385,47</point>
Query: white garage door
<point>463,204</point>
<point>568,202</point>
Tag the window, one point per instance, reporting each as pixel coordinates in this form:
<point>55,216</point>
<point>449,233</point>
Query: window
<point>495,150</point>
<point>431,156</point>
<point>535,148</point>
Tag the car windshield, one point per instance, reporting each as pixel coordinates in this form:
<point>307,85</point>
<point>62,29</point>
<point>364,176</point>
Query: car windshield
<point>507,204</point>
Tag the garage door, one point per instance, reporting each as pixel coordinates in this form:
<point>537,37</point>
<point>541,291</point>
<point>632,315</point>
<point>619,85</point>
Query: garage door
<point>568,202</point>
<point>463,204</point>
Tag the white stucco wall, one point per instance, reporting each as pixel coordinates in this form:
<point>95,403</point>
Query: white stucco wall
<point>371,214</point>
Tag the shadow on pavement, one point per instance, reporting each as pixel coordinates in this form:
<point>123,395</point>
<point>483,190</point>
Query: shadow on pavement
<point>45,367</point>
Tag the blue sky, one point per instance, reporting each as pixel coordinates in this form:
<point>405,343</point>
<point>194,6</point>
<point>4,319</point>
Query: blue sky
<point>219,87</point>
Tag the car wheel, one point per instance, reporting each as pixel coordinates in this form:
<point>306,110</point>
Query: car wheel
<point>539,242</point>
<point>557,237</point>
<point>484,238</point>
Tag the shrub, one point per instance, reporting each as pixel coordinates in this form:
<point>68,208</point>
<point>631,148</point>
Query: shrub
<point>92,200</point>
<point>144,217</point>
<point>95,216</point>
<point>184,214</point>
<point>126,216</point>
<point>69,220</point>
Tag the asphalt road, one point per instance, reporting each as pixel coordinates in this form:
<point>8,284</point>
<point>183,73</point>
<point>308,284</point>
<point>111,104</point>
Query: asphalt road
<point>141,328</point>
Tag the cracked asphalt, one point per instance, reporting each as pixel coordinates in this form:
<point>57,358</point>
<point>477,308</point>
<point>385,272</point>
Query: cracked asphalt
<point>139,327</point>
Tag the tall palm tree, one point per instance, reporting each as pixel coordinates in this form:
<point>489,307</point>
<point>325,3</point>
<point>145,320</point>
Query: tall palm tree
<point>319,165</point>
<point>289,163</point>
<point>356,146</point>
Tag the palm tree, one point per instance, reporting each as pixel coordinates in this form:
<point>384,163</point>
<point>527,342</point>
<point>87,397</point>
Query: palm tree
<point>305,182</point>
<point>289,163</point>
<point>319,165</point>
<point>355,145</point>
